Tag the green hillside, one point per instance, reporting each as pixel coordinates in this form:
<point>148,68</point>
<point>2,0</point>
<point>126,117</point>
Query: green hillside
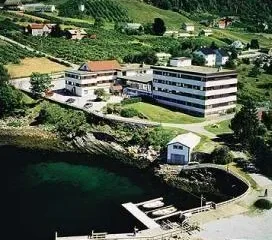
<point>144,13</point>
<point>120,10</point>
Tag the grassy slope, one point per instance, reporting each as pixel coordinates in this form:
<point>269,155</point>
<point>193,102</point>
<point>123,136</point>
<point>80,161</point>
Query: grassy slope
<point>219,128</point>
<point>243,37</point>
<point>164,115</point>
<point>144,13</point>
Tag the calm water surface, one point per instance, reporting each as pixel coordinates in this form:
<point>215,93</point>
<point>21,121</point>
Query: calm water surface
<point>71,194</point>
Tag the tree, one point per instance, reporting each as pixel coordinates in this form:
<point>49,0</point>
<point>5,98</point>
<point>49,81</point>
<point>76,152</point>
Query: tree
<point>221,155</point>
<point>10,100</point>
<point>99,22</point>
<point>269,69</point>
<point>230,64</point>
<point>213,45</point>
<point>198,60</point>
<point>245,124</point>
<point>158,27</point>
<point>255,72</point>
<point>100,93</point>
<point>254,43</point>
<point>4,76</point>
<point>56,31</point>
<point>40,83</point>
<point>267,119</point>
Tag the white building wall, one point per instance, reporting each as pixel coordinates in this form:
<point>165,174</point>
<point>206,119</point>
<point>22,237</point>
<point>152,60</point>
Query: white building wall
<point>180,62</point>
<point>185,151</point>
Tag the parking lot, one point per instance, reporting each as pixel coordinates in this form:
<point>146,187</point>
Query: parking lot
<point>60,95</point>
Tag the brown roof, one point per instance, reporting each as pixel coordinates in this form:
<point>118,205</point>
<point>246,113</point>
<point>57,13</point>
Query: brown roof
<point>95,66</point>
<point>36,26</point>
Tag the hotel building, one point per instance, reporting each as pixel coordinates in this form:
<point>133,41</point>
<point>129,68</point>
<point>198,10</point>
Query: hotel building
<point>200,91</point>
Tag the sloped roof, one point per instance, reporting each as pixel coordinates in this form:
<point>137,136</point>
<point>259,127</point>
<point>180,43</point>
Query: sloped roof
<point>36,26</point>
<point>95,66</point>
<point>12,2</point>
<point>222,52</point>
<point>188,139</point>
<point>206,51</point>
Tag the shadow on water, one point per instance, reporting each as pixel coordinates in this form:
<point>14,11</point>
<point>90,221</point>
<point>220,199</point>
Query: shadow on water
<point>75,193</point>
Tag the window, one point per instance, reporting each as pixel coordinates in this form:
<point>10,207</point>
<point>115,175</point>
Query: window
<point>178,147</point>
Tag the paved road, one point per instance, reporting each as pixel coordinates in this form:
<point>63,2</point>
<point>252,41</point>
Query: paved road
<point>33,50</point>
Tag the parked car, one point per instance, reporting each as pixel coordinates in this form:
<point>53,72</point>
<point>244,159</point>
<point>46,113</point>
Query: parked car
<point>88,105</point>
<point>70,100</point>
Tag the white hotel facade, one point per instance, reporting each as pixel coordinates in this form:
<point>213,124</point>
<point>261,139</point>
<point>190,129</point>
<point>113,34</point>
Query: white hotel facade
<point>199,91</point>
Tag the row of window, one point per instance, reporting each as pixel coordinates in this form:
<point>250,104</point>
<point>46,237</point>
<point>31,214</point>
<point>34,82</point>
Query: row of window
<point>75,76</point>
<point>190,95</point>
<point>201,79</point>
<point>190,104</point>
<point>88,84</point>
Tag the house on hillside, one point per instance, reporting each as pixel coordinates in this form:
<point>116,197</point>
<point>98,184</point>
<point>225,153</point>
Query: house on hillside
<point>76,34</point>
<point>39,7</point>
<point>180,148</point>
<point>188,27</point>
<point>224,23</point>
<point>208,54</point>
<point>222,57</point>
<point>13,5</point>
<point>36,29</point>
<point>237,45</point>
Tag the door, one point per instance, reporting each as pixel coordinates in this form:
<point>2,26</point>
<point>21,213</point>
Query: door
<point>178,159</point>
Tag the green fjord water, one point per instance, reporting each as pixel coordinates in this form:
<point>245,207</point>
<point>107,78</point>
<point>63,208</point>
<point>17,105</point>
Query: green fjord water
<point>71,193</point>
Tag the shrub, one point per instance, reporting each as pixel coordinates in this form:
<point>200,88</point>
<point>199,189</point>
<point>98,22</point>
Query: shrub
<point>15,123</point>
<point>129,112</point>
<point>221,155</point>
<point>131,100</point>
<point>263,204</point>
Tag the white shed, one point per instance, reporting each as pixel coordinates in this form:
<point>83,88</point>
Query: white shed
<point>180,148</point>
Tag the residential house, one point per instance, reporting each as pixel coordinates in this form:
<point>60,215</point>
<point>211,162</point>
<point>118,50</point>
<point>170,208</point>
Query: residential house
<point>180,148</point>
<point>81,7</point>
<point>39,7</point>
<point>200,91</point>
<point>222,57</point>
<point>224,23</point>
<point>188,27</point>
<point>237,45</point>
<point>208,54</point>
<point>90,76</point>
<point>41,29</point>
<point>76,34</point>
<point>206,32</point>
<point>13,5</point>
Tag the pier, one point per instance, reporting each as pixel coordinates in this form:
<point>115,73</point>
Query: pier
<point>163,230</point>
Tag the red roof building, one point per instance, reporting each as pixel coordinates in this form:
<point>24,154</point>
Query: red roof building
<point>97,66</point>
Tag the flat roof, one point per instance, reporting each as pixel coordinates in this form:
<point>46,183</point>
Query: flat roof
<point>139,78</point>
<point>199,70</point>
<point>134,66</point>
<point>80,72</point>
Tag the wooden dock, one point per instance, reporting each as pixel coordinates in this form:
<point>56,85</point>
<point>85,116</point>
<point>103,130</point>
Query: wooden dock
<point>140,215</point>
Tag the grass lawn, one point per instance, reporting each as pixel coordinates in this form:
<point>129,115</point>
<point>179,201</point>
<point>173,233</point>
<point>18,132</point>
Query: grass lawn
<point>219,128</point>
<point>144,13</point>
<point>235,169</point>
<point>30,65</point>
<point>259,88</point>
<point>160,114</point>
<point>245,37</point>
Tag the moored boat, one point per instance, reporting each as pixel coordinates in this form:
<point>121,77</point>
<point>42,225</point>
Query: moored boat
<point>165,211</point>
<point>154,204</point>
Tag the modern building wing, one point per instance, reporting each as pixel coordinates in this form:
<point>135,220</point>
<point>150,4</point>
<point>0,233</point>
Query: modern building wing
<point>200,91</point>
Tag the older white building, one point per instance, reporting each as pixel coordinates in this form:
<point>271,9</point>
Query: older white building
<point>90,76</point>
<point>180,62</point>
<point>188,27</point>
<point>208,54</point>
<point>200,91</point>
<point>180,148</point>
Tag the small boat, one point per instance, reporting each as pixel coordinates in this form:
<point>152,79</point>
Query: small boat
<point>164,211</point>
<point>154,204</point>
